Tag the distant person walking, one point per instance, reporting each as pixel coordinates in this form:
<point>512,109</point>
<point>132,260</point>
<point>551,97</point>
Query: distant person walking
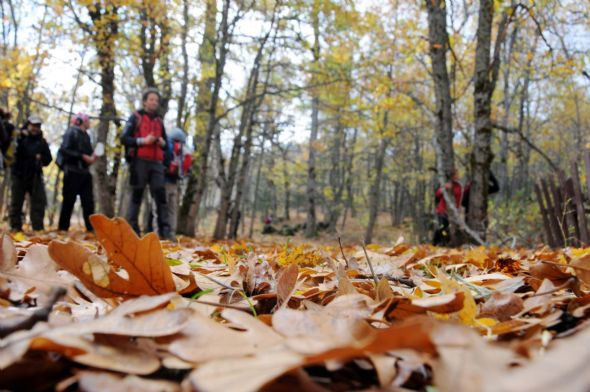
<point>178,159</point>
<point>31,155</point>
<point>144,136</point>
<point>455,190</point>
<point>78,156</point>
<point>6,136</point>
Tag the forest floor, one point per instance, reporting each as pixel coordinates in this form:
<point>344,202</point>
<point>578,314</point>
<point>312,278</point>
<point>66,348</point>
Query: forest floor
<point>115,312</point>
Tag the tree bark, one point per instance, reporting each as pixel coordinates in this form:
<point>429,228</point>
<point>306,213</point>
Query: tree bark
<point>106,24</point>
<point>311,224</point>
<point>485,77</point>
<point>180,118</point>
<point>206,120</point>
<point>439,45</point>
<point>375,189</point>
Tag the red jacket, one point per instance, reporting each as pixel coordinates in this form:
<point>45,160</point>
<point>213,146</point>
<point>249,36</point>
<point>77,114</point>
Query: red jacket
<point>441,206</point>
<point>150,126</point>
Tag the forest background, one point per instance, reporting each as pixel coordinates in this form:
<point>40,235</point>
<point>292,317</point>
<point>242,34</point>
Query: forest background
<point>341,115</point>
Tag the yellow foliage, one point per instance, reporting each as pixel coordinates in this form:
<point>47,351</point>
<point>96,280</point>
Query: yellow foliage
<point>299,255</point>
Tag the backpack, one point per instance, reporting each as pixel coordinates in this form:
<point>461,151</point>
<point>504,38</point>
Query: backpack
<point>60,159</point>
<point>179,163</point>
<point>131,151</point>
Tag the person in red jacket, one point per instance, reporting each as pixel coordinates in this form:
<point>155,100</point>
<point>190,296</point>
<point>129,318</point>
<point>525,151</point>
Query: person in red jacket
<point>144,136</point>
<point>456,191</point>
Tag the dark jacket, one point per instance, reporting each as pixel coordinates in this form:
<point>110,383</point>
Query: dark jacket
<point>493,187</point>
<point>26,164</point>
<point>129,137</point>
<point>6,134</point>
<point>76,142</point>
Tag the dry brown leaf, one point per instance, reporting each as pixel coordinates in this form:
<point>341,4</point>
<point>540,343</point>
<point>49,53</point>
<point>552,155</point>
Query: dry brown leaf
<point>204,339</point>
<point>93,381</point>
<point>551,272</point>
<point>542,298</point>
<point>119,354</point>
<point>383,290</point>
<point>142,259</point>
<point>25,277</point>
<point>563,368</point>
<point>502,306</point>
<point>252,373</point>
<point>286,282</point>
<point>135,317</point>
<point>582,269</point>
<point>467,363</point>
<point>8,256</point>
<point>448,303</point>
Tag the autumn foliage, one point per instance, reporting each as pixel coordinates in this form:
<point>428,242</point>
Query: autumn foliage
<point>140,314</point>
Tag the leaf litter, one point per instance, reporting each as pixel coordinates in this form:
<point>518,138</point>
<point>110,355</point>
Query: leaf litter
<point>121,312</point>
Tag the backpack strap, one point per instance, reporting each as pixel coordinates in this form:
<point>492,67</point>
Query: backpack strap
<point>138,118</point>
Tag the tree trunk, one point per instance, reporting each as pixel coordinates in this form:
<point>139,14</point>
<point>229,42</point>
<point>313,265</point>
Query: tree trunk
<point>485,77</point>
<point>106,23</point>
<point>336,177</point>
<point>256,188</point>
<point>180,118</point>
<point>312,193</point>
<point>503,177</point>
<point>375,189</point>
<point>348,184</point>
<point>439,41</point>
<point>206,120</point>
<point>287,186</point>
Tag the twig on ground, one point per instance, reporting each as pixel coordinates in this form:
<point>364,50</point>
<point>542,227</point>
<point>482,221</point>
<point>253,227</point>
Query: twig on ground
<point>342,251</point>
<point>370,265</point>
<point>40,314</point>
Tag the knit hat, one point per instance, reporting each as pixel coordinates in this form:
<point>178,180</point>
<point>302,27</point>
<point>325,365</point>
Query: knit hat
<point>80,118</point>
<point>35,119</point>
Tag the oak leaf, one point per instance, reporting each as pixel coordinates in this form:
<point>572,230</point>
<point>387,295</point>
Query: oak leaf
<point>142,259</point>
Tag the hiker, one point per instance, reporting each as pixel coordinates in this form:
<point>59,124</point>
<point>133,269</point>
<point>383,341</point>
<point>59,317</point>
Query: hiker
<point>177,162</point>
<point>6,136</point>
<point>144,137</point>
<point>455,190</point>
<point>32,153</point>
<point>78,156</point>
<point>178,159</point>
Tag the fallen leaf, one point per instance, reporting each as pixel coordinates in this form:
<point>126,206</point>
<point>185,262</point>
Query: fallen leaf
<point>286,282</point>
<point>93,381</point>
<point>142,259</point>
<point>582,268</point>
<point>502,306</point>
<point>8,256</point>
<point>447,303</point>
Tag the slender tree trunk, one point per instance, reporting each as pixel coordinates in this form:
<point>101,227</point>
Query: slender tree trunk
<point>439,41</point>
<point>312,192</point>
<point>485,77</point>
<point>375,189</point>
<point>106,23</point>
<point>208,97</point>
<point>287,186</point>
<point>256,189</point>
<point>184,82</point>
<point>349,178</point>
<point>503,177</point>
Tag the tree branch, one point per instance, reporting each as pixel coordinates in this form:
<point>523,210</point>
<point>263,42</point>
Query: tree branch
<point>528,142</point>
